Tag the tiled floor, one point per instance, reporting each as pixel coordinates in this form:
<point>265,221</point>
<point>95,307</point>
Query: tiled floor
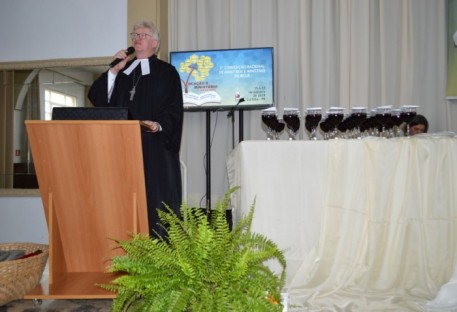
<point>82,305</point>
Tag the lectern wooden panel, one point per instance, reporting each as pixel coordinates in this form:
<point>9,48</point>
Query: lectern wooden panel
<point>91,180</point>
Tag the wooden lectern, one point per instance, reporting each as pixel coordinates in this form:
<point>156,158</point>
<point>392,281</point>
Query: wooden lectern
<point>91,180</point>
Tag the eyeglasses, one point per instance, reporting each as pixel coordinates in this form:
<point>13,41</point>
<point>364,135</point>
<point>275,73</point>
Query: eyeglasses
<point>141,36</point>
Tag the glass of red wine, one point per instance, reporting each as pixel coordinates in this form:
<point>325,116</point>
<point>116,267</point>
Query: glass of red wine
<point>279,127</point>
<point>369,126</point>
<point>291,117</point>
<point>335,115</point>
<point>408,112</point>
<point>397,121</point>
<point>312,119</point>
<point>359,116</point>
<point>270,119</point>
<point>383,115</point>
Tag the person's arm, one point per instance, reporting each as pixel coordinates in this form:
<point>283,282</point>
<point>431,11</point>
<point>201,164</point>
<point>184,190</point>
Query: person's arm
<point>111,81</point>
<point>101,90</point>
<point>98,92</point>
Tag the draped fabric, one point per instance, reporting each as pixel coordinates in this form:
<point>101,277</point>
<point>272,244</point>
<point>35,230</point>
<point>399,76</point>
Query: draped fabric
<point>327,53</point>
<point>389,231</point>
<point>366,225</point>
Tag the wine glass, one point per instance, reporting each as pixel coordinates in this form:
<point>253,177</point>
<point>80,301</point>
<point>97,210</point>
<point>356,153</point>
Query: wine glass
<point>312,119</point>
<point>345,127</point>
<point>407,114</point>
<point>359,116</point>
<point>364,127</point>
<point>326,127</point>
<point>397,121</point>
<point>335,115</point>
<point>291,117</point>
<point>270,119</point>
<point>383,114</point>
<point>278,128</point>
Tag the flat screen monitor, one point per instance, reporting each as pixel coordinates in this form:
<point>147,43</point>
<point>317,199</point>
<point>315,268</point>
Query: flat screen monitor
<point>221,79</point>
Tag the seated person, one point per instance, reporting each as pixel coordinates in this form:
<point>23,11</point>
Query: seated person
<point>418,125</point>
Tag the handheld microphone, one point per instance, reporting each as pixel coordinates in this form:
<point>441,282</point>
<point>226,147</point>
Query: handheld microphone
<point>129,51</point>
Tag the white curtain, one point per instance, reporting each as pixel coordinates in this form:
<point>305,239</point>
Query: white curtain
<point>327,53</point>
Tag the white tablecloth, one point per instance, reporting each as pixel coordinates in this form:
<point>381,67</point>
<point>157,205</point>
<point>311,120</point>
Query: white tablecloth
<point>366,225</point>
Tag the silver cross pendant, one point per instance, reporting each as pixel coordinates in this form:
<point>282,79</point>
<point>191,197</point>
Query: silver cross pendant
<point>132,93</point>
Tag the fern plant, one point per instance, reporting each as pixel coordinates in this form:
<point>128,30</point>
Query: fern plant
<point>201,266</point>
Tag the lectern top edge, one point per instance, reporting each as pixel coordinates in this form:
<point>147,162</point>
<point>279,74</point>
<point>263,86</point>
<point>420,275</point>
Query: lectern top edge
<point>99,122</point>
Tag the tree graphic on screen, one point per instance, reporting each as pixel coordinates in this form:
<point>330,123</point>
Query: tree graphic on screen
<point>199,68</point>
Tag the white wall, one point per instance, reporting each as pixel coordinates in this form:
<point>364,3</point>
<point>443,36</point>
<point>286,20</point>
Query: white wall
<point>53,29</point>
<point>22,220</point>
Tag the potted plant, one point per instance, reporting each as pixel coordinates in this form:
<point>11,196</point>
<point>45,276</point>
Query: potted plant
<point>201,265</point>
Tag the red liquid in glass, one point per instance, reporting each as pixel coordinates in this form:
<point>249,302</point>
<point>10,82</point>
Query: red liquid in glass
<point>292,121</point>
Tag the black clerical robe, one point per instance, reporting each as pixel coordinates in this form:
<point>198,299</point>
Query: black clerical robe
<point>158,97</point>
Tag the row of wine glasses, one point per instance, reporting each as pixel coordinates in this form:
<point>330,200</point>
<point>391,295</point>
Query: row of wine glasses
<point>383,121</point>
<point>291,121</point>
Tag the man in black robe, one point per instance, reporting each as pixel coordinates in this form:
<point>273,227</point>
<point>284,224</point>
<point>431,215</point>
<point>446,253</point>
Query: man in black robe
<point>151,89</point>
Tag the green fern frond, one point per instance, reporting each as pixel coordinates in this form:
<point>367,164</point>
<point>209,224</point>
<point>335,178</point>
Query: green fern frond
<point>202,265</point>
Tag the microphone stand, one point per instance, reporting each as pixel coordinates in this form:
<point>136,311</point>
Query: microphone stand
<point>232,114</point>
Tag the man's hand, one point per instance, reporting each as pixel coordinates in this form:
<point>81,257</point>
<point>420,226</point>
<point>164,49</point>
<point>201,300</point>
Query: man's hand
<point>150,126</point>
<point>122,54</point>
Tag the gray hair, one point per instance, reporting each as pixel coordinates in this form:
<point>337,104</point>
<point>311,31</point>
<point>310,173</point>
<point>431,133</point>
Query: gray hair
<point>152,27</point>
